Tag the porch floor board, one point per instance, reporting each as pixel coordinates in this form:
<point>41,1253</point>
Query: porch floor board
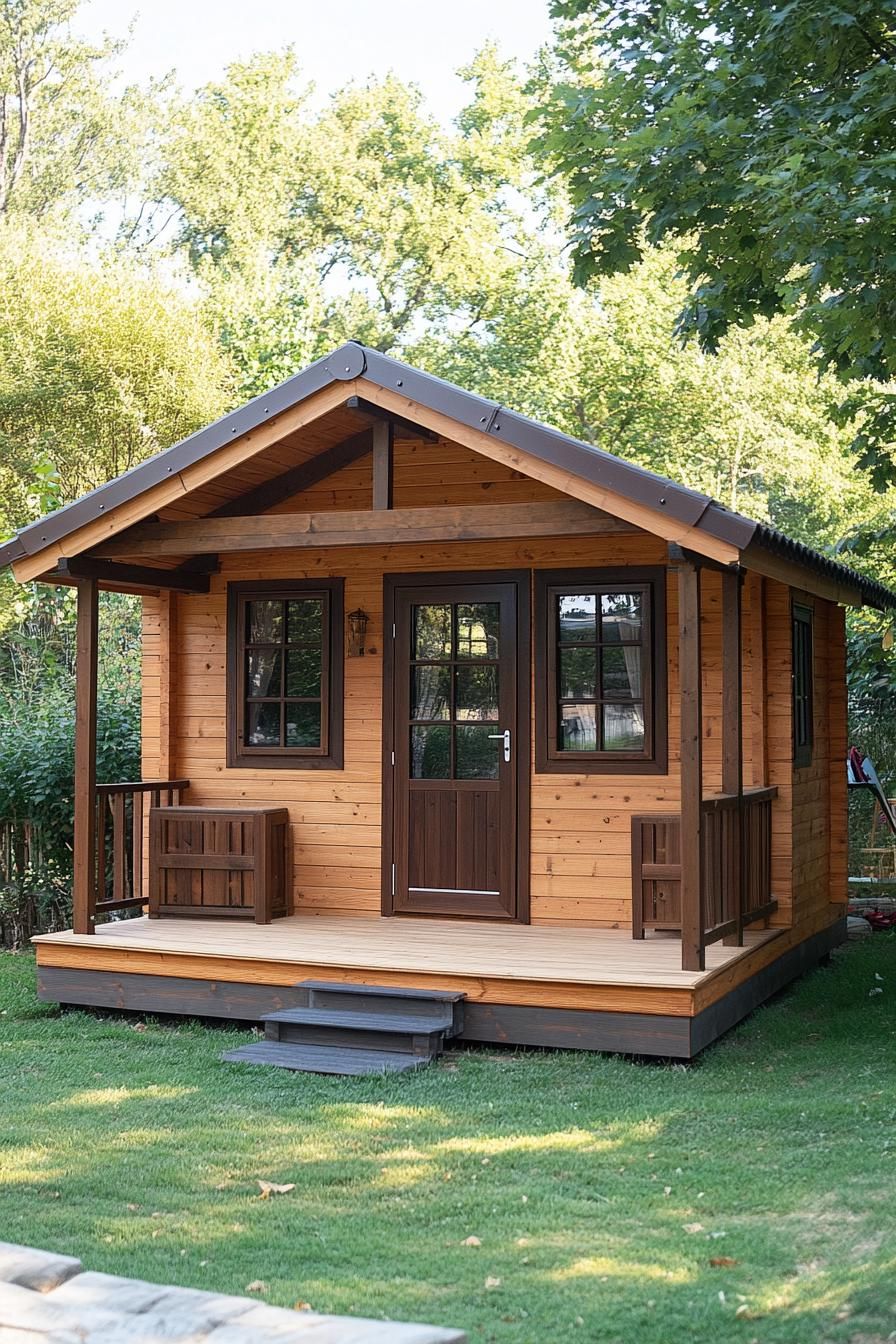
<point>578,956</point>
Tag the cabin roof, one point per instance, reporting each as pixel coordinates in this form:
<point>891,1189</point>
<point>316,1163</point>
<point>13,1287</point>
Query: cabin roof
<point>585,461</point>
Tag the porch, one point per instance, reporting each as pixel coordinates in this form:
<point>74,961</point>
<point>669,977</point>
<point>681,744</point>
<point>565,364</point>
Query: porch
<point>591,988</point>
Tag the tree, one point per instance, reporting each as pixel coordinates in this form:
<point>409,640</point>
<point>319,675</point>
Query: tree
<point>760,136</point>
<point>65,138</point>
<point>99,367</point>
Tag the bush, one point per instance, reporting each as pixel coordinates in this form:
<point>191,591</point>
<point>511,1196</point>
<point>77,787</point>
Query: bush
<point>37,748</point>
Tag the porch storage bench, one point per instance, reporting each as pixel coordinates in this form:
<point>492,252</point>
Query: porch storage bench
<point>219,862</point>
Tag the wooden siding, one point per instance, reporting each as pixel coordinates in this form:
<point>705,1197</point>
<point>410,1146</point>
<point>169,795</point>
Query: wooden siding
<point>581,824</point>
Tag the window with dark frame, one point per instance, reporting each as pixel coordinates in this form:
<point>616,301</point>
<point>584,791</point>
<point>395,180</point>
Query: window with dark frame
<point>284,674</point>
<point>600,666</point>
<point>803,679</point>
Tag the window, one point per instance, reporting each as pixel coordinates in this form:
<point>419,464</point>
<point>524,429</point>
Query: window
<point>803,676</point>
<point>600,671</point>
<point>284,675</point>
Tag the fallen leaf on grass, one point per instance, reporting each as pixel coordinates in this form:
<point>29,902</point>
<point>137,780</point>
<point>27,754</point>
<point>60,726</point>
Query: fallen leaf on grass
<point>692,1227</point>
<point>257,1286</point>
<point>745,1313</point>
<point>492,1282</point>
<point>471,1241</point>
<point>303,1306</point>
<point>269,1188</point>
<point>722,1262</point>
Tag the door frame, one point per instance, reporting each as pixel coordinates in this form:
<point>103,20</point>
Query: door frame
<point>521,726</point>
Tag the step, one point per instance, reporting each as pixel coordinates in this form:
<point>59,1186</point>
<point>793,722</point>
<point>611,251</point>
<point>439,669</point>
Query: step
<point>411,1024</point>
<point>442,1007</point>
<point>325,1058</point>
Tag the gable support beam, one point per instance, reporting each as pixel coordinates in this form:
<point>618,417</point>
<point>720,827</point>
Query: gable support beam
<point>289,531</point>
<point>191,578</point>
<point>409,429</point>
<point>382,465</point>
<point>296,479</point>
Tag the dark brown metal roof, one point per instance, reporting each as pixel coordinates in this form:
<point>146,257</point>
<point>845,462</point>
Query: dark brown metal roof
<point>353,360</point>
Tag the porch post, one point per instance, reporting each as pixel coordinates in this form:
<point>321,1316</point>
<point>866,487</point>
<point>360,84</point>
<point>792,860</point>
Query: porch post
<point>693,957</point>
<point>732,734</point>
<point>84,885</point>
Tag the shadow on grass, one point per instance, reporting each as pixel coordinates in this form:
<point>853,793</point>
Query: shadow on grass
<point>600,1190</point>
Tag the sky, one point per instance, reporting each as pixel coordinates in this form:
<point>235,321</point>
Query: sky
<point>419,40</point>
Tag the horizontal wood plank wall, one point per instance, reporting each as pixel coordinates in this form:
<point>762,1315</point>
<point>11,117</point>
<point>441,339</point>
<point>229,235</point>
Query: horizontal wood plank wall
<point>818,836</point>
<point>779,741</point>
<point>837,794</point>
<point>581,824</point>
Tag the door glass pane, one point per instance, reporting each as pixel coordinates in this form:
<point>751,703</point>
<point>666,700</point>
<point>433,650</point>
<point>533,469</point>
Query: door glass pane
<point>621,617</point>
<point>577,618</point>
<point>264,622</point>
<point>578,727</point>
<point>263,725</point>
<point>430,692</point>
<point>263,672</point>
<point>478,626</point>
<point>305,621</point>
<point>431,632</point>
<point>621,671</point>
<point>303,672</point>
<point>477,754</point>
<point>303,724</point>
<point>476,693</point>
<point>578,673</point>
<point>431,752</point>
<point>623,727</point>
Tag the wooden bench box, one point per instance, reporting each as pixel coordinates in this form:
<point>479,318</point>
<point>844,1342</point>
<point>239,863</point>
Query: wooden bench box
<point>219,862</point>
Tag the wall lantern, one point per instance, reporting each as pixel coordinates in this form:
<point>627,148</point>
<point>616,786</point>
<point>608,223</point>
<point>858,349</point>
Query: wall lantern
<point>357,629</point>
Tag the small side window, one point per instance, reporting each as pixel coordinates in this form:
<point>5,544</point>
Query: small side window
<point>803,685</point>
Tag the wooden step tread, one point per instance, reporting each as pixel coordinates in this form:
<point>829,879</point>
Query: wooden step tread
<point>383,991</point>
<point>325,1058</point>
<point>401,1024</point>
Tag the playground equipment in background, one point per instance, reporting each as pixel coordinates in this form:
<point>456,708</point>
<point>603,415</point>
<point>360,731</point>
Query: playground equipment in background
<point>879,860</point>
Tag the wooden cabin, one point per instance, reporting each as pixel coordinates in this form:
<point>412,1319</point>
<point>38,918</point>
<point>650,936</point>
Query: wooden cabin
<point>436,697</point>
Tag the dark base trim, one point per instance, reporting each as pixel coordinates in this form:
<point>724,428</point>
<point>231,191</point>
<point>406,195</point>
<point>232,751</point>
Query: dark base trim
<point>508,1024</point>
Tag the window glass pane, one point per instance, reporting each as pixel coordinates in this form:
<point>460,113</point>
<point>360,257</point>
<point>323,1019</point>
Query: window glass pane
<point>621,617</point>
<point>263,725</point>
<point>431,752</point>
<point>578,727</point>
<point>476,693</point>
<point>430,692</point>
<point>303,725</point>
<point>263,672</point>
<point>623,727</point>
<point>621,671</point>
<point>478,626</point>
<point>303,672</point>
<point>476,753</point>
<point>305,621</point>
<point>577,673</point>
<point>577,618</point>
<point>431,632</point>
<point>264,622</point>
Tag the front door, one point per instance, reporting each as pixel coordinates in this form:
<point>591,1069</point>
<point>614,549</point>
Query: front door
<point>459,756</point>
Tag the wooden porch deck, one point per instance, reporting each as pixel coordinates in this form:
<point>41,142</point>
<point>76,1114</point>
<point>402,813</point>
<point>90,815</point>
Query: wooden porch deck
<point>556,967</point>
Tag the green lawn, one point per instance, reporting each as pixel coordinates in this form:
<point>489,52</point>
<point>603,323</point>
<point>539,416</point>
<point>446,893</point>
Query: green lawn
<point>600,1189</point>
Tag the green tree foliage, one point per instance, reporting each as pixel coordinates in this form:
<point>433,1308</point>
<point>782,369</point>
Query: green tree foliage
<point>761,138</point>
<point>66,137</point>
<point>100,365</point>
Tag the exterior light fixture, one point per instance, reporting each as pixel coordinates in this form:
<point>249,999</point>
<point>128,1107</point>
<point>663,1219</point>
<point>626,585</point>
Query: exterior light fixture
<point>357,630</point>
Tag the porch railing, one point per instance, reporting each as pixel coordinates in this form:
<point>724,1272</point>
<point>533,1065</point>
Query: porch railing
<point>121,814</point>
<point>737,866</point>
<point>737,862</point>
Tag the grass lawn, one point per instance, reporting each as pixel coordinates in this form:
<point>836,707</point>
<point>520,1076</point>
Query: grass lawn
<point>601,1190</point>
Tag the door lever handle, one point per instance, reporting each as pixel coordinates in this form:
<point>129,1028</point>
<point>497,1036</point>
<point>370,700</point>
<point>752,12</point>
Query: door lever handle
<point>502,737</point>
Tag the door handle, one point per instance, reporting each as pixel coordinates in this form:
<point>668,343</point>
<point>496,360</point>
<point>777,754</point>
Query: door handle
<point>502,737</point>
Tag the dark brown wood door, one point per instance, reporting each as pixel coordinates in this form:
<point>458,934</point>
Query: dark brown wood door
<point>455,701</point>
